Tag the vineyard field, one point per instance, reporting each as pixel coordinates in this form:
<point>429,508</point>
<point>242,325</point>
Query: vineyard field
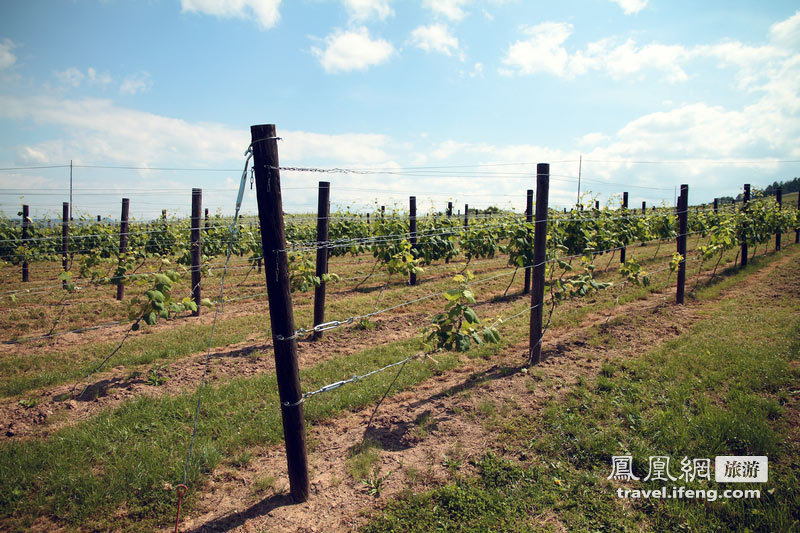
<point>98,395</point>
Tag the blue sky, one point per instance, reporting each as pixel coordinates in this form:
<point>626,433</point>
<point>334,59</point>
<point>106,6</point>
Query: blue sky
<point>706,90</point>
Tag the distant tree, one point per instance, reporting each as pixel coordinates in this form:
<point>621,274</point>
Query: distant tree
<point>787,186</point>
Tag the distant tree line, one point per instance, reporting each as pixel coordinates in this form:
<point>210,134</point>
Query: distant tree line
<point>788,186</point>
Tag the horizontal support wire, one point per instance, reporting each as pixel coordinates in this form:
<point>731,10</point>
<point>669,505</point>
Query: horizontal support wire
<point>500,322</point>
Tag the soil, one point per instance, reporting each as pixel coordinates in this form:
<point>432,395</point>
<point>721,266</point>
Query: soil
<point>442,418</point>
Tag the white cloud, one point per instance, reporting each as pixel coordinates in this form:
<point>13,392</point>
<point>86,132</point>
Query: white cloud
<point>628,59</point>
<point>435,38</point>
<point>787,32</point>
<point>451,9</point>
<point>352,50</point>
<point>136,83</point>
<point>99,78</point>
<point>542,51</point>
<point>99,130</point>
<point>74,77</point>
<point>361,10</point>
<point>264,11</point>
<point>592,139</point>
<point>7,57</point>
<point>71,77</point>
<point>631,6</point>
<point>477,70</point>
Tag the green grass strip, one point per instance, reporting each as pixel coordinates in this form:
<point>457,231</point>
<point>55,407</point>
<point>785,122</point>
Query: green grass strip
<point>720,389</point>
<point>125,456</point>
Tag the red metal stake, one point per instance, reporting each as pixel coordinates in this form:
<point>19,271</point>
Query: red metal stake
<point>181,489</point>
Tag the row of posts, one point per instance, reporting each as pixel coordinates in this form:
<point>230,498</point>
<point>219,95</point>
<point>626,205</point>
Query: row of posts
<point>124,232</point>
<point>284,336</point>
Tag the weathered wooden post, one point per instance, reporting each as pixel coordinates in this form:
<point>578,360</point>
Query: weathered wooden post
<point>539,257</point>
<point>624,214</point>
<point>323,216</point>
<point>683,220</point>
<point>779,199</point>
<point>64,239</point>
<point>644,212</point>
<point>449,209</point>
<point>528,218</point>
<point>281,314</point>
<point>466,215</point>
<point>716,205</point>
<point>745,205</point>
<point>25,222</point>
<point>412,230</point>
<point>196,246</point>
<point>123,243</point>
<point>797,230</point>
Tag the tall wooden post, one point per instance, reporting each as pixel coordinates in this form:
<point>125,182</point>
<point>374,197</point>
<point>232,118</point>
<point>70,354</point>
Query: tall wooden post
<point>683,224</point>
<point>25,222</point>
<point>412,230</point>
<point>281,314</point>
<point>745,205</point>
<point>539,257</point>
<point>624,214</point>
<point>716,205</point>
<point>597,204</point>
<point>644,212</point>
<point>123,243</point>
<point>779,199</point>
<point>449,209</point>
<point>98,218</point>
<point>466,215</point>
<point>323,216</point>
<point>797,230</point>
<point>196,246</point>
<point>64,238</point>
<point>528,218</point>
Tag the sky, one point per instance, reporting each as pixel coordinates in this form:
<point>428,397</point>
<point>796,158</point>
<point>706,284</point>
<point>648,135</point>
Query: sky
<point>448,100</point>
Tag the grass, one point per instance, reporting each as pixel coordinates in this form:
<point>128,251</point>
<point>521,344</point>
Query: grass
<point>124,456</point>
<point>722,389</point>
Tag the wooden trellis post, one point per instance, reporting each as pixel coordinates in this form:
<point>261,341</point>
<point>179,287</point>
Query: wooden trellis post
<point>683,219</point>
<point>323,216</point>
<point>539,257</point>
<point>281,313</point>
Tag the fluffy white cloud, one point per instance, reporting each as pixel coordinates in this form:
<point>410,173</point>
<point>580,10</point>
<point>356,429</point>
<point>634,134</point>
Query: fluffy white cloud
<point>631,6</point>
<point>542,51</point>
<point>451,9</point>
<point>629,59</point>
<point>7,57</point>
<point>435,38</point>
<point>264,11</point>
<point>361,10</point>
<point>787,33</point>
<point>352,50</point>
<point>136,83</point>
<point>99,130</point>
